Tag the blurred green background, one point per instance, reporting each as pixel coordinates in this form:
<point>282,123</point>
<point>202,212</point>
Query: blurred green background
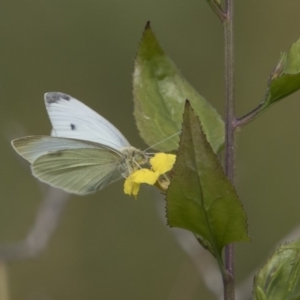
<point>109,246</point>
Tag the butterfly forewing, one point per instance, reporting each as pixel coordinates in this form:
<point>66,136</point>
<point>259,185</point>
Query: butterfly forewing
<point>32,147</point>
<point>79,171</point>
<point>71,118</point>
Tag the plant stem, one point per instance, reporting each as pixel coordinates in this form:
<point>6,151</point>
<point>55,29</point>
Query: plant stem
<point>216,8</point>
<point>250,116</point>
<point>228,279</point>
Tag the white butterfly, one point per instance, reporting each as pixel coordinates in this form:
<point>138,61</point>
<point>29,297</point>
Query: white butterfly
<point>84,153</point>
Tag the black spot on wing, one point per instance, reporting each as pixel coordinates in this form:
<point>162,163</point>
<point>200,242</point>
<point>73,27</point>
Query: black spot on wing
<point>55,97</point>
<point>73,127</point>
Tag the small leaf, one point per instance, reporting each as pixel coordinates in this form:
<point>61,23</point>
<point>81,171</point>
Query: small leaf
<point>259,293</point>
<point>200,197</point>
<point>280,276</point>
<point>285,79</point>
<point>159,97</point>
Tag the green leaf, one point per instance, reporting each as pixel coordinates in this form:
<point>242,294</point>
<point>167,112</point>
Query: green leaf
<point>259,293</point>
<point>159,96</point>
<point>285,79</point>
<point>280,276</point>
<point>200,197</point>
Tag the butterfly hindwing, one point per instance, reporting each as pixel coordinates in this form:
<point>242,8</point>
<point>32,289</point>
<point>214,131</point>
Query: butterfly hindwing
<point>78,171</point>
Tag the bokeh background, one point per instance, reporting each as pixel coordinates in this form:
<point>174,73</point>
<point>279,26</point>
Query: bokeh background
<point>107,245</point>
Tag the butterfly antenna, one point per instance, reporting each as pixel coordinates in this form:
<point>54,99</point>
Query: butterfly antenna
<point>169,137</point>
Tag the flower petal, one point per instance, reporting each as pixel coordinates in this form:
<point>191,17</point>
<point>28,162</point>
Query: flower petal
<point>162,162</point>
<point>131,188</point>
<point>144,176</point>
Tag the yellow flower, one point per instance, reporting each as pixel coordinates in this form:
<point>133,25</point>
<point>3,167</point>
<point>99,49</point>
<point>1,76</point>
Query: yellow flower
<point>160,164</point>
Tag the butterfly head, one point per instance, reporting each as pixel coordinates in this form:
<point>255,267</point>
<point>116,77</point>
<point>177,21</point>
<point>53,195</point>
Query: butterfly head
<point>134,159</point>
